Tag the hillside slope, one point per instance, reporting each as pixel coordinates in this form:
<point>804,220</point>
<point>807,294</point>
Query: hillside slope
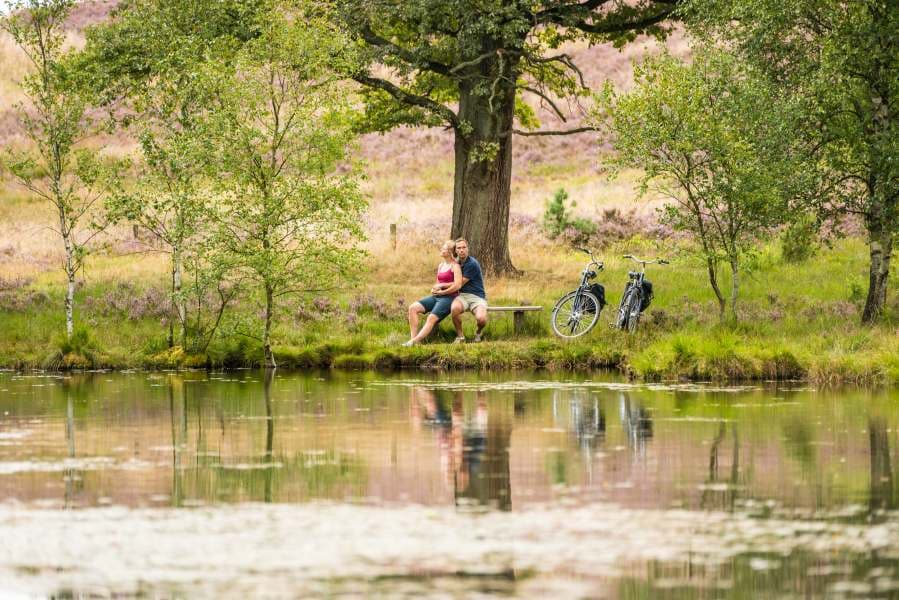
<point>409,171</point>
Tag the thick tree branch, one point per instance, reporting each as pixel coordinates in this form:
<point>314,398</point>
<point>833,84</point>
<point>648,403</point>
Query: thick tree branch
<point>554,132</point>
<point>405,97</point>
<point>475,61</point>
<point>567,11</point>
<point>410,57</point>
<point>565,60</point>
<point>608,27</point>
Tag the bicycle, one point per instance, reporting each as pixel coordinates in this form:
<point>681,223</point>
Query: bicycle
<point>577,312</point>
<point>637,294</point>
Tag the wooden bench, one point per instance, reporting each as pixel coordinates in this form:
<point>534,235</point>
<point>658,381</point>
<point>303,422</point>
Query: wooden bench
<point>517,314</point>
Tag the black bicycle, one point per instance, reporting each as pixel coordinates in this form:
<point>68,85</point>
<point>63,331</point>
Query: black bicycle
<point>637,294</point>
<point>577,312</point>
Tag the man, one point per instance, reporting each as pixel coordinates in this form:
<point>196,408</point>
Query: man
<point>472,296</point>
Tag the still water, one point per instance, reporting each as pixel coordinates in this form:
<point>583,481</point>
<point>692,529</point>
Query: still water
<point>452,485</point>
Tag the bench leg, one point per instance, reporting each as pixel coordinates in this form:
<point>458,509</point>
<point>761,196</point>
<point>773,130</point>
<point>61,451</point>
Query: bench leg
<point>518,322</point>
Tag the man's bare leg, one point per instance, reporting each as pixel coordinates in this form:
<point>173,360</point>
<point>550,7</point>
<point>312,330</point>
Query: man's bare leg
<point>415,312</point>
<point>456,313</point>
<point>480,315</point>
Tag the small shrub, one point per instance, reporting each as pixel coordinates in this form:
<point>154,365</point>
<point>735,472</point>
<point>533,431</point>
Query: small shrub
<point>558,222</point>
<point>799,241</point>
<point>76,352</point>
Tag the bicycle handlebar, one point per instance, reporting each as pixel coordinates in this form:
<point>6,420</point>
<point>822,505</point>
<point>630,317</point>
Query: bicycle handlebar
<point>657,261</point>
<point>593,260</point>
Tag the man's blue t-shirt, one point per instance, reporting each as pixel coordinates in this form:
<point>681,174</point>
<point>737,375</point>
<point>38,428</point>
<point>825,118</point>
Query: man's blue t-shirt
<point>471,269</point>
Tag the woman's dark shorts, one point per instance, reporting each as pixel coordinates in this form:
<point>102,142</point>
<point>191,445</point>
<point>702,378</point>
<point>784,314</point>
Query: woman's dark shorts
<point>439,306</point>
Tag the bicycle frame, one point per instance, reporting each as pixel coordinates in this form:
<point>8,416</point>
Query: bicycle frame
<point>579,307</point>
<point>587,275</point>
<point>635,283</point>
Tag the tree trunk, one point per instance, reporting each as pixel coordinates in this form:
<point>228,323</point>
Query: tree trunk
<point>266,333</point>
<point>483,172</point>
<point>713,280</point>
<point>70,288</point>
<point>881,243</point>
<point>171,340</point>
<point>734,286</point>
<point>177,300</point>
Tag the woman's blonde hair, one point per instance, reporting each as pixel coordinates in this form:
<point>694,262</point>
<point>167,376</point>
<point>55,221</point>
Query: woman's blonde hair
<point>450,243</point>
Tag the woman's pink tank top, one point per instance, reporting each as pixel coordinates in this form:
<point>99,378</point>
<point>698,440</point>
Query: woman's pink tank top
<point>446,277</point>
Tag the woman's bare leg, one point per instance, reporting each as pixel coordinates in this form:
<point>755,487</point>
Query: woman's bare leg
<point>431,321</point>
<point>415,312</point>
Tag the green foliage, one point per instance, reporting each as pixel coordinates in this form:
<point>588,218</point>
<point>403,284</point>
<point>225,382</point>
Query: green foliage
<point>150,57</point>
<point>799,241</point>
<point>288,210</point>
<point>715,139</point>
<point>839,61</point>
<point>557,220</point>
<point>54,119</point>
<point>440,53</point>
<point>77,351</point>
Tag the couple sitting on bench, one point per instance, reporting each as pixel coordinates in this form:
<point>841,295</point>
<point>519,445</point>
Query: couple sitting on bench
<point>459,288</point>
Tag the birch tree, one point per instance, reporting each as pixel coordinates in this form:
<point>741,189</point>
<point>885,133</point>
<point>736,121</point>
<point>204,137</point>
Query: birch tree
<point>72,180</point>
<point>841,59</point>
<point>145,65</point>
<point>288,211</point>
<point>715,140</point>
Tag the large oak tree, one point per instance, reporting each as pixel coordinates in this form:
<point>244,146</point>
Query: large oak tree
<point>466,65</point>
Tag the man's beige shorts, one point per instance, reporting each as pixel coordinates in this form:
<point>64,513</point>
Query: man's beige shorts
<point>471,302</point>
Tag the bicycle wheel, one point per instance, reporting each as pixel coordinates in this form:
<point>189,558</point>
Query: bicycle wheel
<point>624,309</point>
<point>633,317</point>
<point>575,314</point>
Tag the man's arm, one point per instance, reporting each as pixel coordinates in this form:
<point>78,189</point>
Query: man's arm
<point>444,289</point>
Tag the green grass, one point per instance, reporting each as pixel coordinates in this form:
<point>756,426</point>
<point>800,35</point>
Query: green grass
<point>797,322</point>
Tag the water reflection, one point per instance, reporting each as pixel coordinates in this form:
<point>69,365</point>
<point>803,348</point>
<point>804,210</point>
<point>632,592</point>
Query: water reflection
<point>474,444</point>
<point>636,422</point>
<point>883,491</point>
<point>193,438</point>
<point>720,493</point>
<point>777,474</point>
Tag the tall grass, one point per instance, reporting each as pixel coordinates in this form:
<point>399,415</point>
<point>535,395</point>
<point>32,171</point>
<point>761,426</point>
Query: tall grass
<point>798,321</point>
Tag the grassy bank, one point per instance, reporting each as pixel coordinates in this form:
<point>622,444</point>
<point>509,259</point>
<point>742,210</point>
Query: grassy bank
<point>797,321</point>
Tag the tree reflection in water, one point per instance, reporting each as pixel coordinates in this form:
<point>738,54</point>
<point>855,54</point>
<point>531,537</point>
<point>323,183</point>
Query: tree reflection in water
<point>883,494</point>
<point>269,466</point>
<point>70,474</point>
<point>718,493</point>
<point>473,442</point>
<point>77,389</point>
<point>233,467</point>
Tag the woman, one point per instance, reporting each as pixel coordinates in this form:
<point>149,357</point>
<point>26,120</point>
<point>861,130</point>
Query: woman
<point>449,280</point>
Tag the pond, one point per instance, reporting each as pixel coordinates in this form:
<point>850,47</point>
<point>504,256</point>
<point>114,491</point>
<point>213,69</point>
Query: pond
<point>443,485</point>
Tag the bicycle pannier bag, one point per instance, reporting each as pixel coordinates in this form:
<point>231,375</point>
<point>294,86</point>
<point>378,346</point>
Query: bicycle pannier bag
<point>647,295</point>
<point>600,292</point>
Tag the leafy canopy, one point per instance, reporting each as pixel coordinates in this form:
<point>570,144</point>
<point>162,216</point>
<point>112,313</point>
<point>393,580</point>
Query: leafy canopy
<point>431,49</point>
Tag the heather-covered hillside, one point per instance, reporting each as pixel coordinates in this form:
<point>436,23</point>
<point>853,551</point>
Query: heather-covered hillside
<point>410,171</point>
